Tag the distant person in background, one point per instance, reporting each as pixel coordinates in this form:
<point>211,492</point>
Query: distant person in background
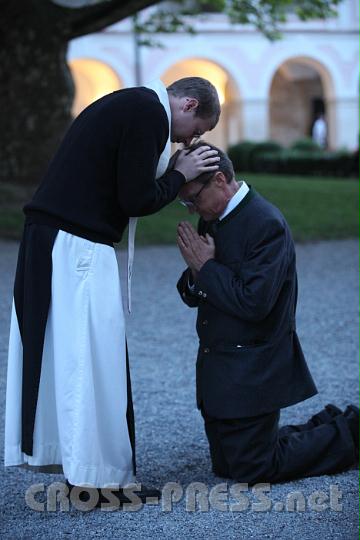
<point>319,131</point>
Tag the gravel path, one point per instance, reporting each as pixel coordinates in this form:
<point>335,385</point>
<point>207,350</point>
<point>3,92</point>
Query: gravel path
<point>171,444</point>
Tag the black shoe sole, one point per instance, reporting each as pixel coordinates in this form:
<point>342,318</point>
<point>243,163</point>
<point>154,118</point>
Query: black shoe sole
<point>145,496</point>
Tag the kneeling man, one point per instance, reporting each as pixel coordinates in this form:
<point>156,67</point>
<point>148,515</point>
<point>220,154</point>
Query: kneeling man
<point>241,276</point>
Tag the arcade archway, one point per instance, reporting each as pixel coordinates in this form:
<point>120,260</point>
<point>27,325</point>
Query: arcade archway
<point>229,128</point>
<point>301,89</point>
<point>93,79</point>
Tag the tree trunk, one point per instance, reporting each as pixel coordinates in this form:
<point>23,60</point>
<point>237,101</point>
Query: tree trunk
<point>36,86</point>
<point>36,91</point>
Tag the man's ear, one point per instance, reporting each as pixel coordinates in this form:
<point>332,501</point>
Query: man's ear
<point>191,104</point>
<point>220,179</point>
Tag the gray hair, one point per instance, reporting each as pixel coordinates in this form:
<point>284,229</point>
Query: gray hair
<point>225,164</point>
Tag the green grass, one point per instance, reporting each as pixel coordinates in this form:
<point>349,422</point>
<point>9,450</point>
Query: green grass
<point>315,208</point>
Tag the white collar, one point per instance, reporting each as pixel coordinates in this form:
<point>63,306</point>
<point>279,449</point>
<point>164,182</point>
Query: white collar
<point>235,199</point>
<point>160,89</point>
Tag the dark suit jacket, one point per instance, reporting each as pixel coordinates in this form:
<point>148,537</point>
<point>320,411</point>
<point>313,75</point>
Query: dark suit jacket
<point>250,360</point>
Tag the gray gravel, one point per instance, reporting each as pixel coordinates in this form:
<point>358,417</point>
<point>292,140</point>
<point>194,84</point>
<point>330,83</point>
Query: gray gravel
<point>171,444</point>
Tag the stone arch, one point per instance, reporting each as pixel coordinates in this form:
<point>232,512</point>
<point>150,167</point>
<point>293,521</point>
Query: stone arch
<point>229,128</point>
<point>300,88</point>
<point>93,79</point>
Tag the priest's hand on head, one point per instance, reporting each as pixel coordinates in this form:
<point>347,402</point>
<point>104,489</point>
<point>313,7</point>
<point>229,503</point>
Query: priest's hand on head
<point>192,164</point>
<point>195,249</point>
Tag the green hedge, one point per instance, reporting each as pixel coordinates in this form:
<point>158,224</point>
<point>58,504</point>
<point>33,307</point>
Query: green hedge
<point>308,163</point>
<point>240,155</point>
<point>307,145</point>
<point>244,155</point>
<point>304,158</point>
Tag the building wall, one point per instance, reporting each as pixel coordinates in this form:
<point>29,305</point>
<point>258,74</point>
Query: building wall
<point>259,103</point>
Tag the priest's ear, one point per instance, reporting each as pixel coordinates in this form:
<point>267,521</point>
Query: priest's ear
<point>191,104</point>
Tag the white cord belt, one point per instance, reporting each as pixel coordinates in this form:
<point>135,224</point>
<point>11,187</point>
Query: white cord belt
<point>131,249</point>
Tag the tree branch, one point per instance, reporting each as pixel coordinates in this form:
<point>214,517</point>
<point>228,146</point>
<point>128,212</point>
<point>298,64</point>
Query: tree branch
<point>94,18</point>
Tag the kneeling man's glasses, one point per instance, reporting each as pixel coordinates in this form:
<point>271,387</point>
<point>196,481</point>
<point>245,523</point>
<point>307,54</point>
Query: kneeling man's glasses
<point>191,201</point>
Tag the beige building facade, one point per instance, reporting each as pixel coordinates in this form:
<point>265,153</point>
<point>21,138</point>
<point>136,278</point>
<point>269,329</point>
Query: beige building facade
<point>269,90</point>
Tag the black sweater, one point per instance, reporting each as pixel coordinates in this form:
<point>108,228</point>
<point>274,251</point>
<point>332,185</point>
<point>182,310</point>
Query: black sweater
<point>104,170</point>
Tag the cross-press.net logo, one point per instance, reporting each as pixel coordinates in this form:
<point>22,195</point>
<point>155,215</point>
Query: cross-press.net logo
<point>196,496</point>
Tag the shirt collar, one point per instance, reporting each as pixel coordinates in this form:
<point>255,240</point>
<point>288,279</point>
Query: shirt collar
<point>235,199</point>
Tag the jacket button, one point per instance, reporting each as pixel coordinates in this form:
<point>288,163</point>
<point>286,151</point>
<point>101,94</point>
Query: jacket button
<point>206,350</point>
<point>205,322</point>
<point>200,293</point>
<point>204,295</point>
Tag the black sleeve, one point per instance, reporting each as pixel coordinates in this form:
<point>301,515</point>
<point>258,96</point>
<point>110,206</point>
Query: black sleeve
<point>141,144</point>
<point>189,298</point>
<point>251,293</point>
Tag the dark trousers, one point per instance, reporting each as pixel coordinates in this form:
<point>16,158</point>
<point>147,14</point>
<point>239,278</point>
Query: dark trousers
<point>253,450</point>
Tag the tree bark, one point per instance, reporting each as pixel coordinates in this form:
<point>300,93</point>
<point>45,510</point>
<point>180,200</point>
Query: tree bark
<point>36,86</point>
